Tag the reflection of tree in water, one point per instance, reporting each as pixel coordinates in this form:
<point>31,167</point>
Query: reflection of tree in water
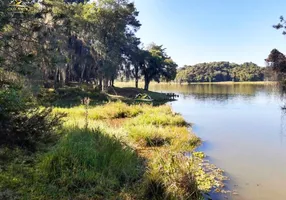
<point>282,90</point>
<point>216,92</point>
<point>223,93</point>
<point>283,126</point>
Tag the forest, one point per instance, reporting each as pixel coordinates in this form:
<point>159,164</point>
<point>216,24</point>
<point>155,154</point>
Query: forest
<point>59,42</point>
<point>220,71</point>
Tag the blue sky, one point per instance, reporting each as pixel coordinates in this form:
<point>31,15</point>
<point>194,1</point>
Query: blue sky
<point>195,31</point>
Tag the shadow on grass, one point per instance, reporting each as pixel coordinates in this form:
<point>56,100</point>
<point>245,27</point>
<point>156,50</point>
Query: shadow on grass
<point>88,163</point>
<point>85,164</point>
<point>71,96</point>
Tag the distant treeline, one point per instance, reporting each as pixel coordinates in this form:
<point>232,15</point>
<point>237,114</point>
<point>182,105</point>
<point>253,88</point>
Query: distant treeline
<point>221,71</point>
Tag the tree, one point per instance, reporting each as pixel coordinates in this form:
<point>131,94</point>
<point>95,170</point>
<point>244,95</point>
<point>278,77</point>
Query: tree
<point>157,64</point>
<point>59,41</point>
<point>277,61</point>
<point>64,42</point>
<point>221,71</point>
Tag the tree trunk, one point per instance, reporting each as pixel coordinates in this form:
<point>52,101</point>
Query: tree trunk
<point>136,77</point>
<point>104,85</point>
<point>100,84</point>
<point>56,78</point>
<point>146,86</point>
<point>112,82</point>
<point>82,72</point>
<point>136,82</point>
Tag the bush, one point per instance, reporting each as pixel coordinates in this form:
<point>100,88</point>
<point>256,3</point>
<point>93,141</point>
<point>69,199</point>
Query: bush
<point>23,125</point>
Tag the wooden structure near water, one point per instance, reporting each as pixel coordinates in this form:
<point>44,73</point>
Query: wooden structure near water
<point>172,96</point>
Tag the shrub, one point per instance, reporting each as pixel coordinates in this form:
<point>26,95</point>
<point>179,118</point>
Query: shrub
<point>22,125</point>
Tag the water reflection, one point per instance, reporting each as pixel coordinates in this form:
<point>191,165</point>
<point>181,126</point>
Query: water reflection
<point>283,126</point>
<point>217,92</point>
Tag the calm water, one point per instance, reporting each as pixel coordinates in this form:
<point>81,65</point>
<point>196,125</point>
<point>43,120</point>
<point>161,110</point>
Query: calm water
<point>244,133</point>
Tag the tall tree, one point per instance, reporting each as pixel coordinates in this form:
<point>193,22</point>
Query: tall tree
<point>157,64</point>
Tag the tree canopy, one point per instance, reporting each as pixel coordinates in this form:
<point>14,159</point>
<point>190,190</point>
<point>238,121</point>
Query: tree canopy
<point>74,40</point>
<point>220,71</point>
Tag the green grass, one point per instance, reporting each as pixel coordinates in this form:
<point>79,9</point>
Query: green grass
<point>89,163</point>
<point>68,97</point>
<point>160,119</point>
<point>127,152</point>
<point>85,164</point>
<point>112,110</point>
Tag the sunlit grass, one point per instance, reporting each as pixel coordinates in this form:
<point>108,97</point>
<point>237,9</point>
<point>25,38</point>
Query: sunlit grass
<point>153,132</point>
<point>160,119</point>
<point>119,151</point>
<point>110,110</point>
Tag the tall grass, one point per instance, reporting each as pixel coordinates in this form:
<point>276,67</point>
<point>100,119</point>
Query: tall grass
<point>126,152</point>
<point>88,164</point>
<point>112,110</point>
<point>160,119</point>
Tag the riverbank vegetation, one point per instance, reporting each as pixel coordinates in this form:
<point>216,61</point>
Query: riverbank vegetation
<point>109,151</point>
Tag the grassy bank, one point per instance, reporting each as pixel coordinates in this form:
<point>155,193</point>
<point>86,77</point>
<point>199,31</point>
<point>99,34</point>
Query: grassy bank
<point>72,96</point>
<point>112,151</point>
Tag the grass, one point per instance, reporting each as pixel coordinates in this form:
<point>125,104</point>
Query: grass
<point>126,152</point>
<point>72,96</point>
<point>160,119</point>
<point>111,110</point>
<point>129,93</point>
<point>89,164</point>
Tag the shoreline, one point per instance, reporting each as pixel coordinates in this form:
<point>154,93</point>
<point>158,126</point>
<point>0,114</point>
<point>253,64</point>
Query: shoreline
<point>133,151</point>
<point>141,84</point>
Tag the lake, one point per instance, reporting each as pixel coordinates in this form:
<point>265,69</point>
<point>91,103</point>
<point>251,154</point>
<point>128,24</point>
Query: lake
<point>243,129</point>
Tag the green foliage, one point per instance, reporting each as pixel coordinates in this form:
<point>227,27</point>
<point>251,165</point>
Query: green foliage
<point>106,163</point>
<point>70,96</point>
<point>157,65</point>
<point>220,71</point>
<point>87,164</point>
<point>160,119</point>
<point>112,110</point>
<point>22,125</point>
<point>172,177</point>
<point>277,61</point>
<point>16,175</point>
